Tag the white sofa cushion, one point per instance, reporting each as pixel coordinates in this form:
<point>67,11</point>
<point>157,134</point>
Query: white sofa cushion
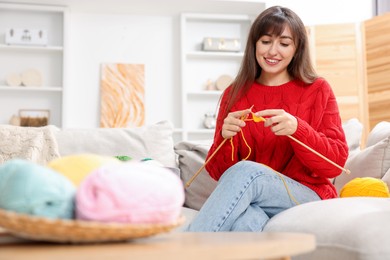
<point>152,141</point>
<point>345,228</point>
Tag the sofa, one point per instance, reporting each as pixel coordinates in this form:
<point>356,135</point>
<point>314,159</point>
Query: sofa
<point>345,228</point>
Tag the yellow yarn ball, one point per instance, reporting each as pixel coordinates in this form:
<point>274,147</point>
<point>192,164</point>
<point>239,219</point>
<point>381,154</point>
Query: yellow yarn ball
<point>77,167</point>
<point>365,187</point>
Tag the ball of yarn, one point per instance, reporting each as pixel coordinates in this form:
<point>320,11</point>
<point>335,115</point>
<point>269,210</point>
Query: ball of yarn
<point>76,167</point>
<point>131,192</point>
<point>29,188</point>
<point>365,187</point>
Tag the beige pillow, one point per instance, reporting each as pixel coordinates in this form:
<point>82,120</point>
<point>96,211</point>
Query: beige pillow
<point>386,178</point>
<point>191,156</point>
<point>353,130</point>
<point>378,133</point>
<point>373,161</point>
<point>152,141</point>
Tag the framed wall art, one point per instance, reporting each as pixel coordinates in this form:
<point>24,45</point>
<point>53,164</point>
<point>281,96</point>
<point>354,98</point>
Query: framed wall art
<point>122,95</point>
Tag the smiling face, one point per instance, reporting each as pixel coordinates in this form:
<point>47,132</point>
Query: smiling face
<point>273,54</point>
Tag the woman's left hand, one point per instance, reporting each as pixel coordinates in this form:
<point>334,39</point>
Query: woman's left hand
<point>281,122</point>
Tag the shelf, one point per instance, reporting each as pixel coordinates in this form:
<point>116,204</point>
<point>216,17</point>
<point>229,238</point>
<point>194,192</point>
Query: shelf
<point>30,88</point>
<point>214,54</point>
<point>30,48</point>
<point>48,60</point>
<point>201,68</point>
<point>213,93</point>
<point>220,18</point>
<point>201,131</point>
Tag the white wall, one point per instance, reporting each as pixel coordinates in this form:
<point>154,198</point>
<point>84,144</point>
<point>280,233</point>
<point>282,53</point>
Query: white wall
<point>99,38</point>
<point>153,40</point>
<point>328,11</point>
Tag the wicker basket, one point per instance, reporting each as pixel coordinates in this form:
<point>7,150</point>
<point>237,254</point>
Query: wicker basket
<point>76,231</point>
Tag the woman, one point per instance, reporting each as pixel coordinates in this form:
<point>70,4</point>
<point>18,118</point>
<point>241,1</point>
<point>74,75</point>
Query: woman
<point>261,170</point>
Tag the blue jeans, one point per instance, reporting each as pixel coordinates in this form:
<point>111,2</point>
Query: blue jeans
<point>247,195</point>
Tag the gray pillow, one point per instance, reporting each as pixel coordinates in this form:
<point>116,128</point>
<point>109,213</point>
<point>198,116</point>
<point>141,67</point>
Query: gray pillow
<point>353,130</point>
<point>191,157</point>
<point>378,133</point>
<point>373,161</point>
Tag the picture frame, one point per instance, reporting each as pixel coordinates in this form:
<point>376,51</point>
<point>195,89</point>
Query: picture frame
<point>34,117</point>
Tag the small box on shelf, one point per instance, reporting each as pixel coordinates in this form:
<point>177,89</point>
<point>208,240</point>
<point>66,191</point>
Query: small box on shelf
<point>221,44</point>
<point>19,36</point>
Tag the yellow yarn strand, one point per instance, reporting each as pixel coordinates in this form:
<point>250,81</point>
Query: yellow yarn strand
<point>254,118</point>
<point>232,145</point>
<point>287,189</point>
<point>247,145</point>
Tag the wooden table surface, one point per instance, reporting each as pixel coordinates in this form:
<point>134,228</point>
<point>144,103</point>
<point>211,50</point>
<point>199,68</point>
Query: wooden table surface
<point>175,245</point>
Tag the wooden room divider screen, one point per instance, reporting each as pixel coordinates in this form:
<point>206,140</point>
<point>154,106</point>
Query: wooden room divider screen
<point>338,56</point>
<point>377,48</point>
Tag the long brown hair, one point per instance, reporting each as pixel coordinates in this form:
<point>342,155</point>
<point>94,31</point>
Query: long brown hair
<point>272,21</point>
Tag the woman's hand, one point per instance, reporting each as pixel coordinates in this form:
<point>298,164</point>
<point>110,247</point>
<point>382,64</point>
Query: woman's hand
<point>281,122</point>
<point>232,124</point>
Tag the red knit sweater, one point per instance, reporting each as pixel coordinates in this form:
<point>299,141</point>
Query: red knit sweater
<point>319,127</point>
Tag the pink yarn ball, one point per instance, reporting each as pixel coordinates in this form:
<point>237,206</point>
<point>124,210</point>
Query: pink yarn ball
<point>130,192</point>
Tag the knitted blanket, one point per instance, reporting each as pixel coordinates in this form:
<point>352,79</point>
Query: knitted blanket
<point>36,144</point>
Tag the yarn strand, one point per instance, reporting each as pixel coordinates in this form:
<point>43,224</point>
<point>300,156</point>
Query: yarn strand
<point>204,165</point>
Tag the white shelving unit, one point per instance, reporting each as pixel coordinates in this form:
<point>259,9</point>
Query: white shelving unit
<point>48,60</point>
<point>198,67</point>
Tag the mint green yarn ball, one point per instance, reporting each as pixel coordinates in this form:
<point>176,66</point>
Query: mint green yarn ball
<point>29,188</point>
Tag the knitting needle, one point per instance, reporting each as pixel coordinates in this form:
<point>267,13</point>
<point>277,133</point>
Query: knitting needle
<point>204,165</point>
<point>320,155</point>
<point>258,119</point>
<point>211,156</point>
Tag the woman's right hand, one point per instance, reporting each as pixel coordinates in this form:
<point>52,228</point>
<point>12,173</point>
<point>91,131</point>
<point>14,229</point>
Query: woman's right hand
<point>232,124</point>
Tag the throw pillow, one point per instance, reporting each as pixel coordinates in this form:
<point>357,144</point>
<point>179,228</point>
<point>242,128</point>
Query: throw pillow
<point>154,141</point>
<point>191,156</point>
<point>378,133</point>
<point>386,178</point>
<point>353,130</point>
<point>373,161</point>
<point>36,144</point>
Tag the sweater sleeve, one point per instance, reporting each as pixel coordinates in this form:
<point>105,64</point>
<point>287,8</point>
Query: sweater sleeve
<point>226,156</point>
<point>325,135</point>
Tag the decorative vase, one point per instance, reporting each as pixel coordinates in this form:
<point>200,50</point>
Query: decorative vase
<point>209,120</point>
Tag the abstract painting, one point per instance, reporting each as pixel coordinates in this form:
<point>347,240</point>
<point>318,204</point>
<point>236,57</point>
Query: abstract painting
<point>122,95</point>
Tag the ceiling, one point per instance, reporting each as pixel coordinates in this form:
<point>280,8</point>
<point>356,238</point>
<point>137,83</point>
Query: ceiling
<point>154,7</point>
